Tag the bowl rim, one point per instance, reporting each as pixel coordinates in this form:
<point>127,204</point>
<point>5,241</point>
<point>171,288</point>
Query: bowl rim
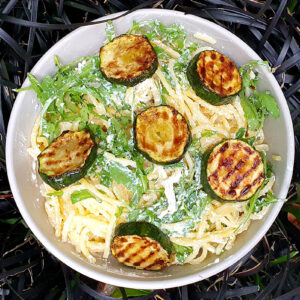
<point>120,280</point>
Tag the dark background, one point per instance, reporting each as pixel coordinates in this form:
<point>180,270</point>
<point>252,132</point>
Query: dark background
<point>29,28</point>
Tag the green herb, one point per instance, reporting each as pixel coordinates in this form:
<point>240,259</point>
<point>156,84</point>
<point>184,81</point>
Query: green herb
<point>173,35</point>
<point>255,204</point>
<point>208,133</point>
<point>182,252</point>
<point>57,62</point>
<point>163,93</point>
<point>191,203</point>
<point>257,106</point>
<point>251,205</point>
<point>195,146</point>
<point>240,133</point>
<point>269,104</point>
<point>109,171</point>
<point>250,112</point>
<point>110,30</point>
<point>176,165</point>
<point>56,193</point>
<point>166,72</point>
<point>62,94</point>
<point>120,211</point>
<point>148,214</point>
<point>265,201</point>
<point>77,196</point>
<point>161,53</point>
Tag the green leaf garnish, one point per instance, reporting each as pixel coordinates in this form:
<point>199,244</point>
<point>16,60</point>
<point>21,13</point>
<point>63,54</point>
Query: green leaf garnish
<point>77,196</point>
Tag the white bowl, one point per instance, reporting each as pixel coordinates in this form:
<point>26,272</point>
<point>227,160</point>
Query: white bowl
<point>25,184</point>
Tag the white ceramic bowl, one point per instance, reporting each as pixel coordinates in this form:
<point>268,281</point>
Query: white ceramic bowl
<point>25,184</point>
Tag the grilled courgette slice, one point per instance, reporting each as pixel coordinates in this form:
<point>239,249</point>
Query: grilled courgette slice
<point>128,60</point>
<point>161,134</point>
<point>232,171</point>
<point>142,245</point>
<point>67,159</point>
<point>214,77</point>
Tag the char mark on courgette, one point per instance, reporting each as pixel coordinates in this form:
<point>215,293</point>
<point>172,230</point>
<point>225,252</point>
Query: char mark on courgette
<point>232,170</point>
<point>67,159</point>
<point>128,60</point>
<point>161,134</point>
<point>214,77</point>
<point>142,245</point>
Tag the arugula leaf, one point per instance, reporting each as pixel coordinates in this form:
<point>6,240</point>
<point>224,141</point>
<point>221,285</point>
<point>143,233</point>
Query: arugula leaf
<point>269,104</point>
<point>255,204</point>
<point>209,133</point>
<point>173,35</point>
<point>36,86</point>
<point>251,114</point>
<point>247,68</point>
<point>240,133</point>
<point>166,72</point>
<point>179,164</point>
<point>62,94</point>
<point>191,203</point>
<point>110,30</point>
<point>161,53</point>
<point>123,175</point>
<point>109,171</point>
<point>57,62</point>
<point>182,252</point>
<point>77,196</point>
<point>56,193</point>
<point>265,201</point>
<point>148,214</point>
<point>120,211</point>
<point>251,206</point>
<point>257,106</point>
<point>195,146</point>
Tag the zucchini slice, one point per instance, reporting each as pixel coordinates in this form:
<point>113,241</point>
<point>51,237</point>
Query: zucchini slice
<point>67,159</point>
<point>142,245</point>
<point>128,59</point>
<point>214,77</point>
<point>232,171</point>
<point>161,134</point>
